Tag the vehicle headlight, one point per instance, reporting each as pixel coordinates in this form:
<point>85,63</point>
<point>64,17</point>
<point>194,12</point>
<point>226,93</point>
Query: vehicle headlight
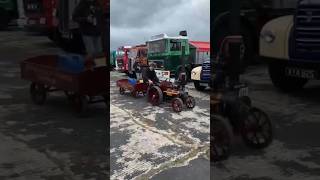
<point>268,36</point>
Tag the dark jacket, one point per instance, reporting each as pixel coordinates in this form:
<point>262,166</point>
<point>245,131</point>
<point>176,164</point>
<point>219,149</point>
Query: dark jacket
<point>81,13</point>
<point>147,74</point>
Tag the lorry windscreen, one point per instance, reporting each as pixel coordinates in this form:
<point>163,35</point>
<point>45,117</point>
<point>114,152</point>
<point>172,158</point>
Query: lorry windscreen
<point>119,53</point>
<point>158,46</point>
<point>159,63</point>
<point>142,53</point>
<point>175,45</point>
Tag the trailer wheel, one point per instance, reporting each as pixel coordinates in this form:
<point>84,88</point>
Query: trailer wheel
<point>190,102</point>
<point>257,129</point>
<point>122,91</point>
<point>283,82</point>
<point>198,86</point>
<point>80,104</point>
<point>38,93</point>
<point>177,104</point>
<point>135,93</point>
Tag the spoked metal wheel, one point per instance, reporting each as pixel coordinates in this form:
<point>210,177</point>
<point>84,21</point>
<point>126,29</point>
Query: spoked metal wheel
<point>38,93</point>
<point>257,129</point>
<point>122,91</point>
<point>135,93</point>
<point>80,104</point>
<point>155,96</point>
<point>190,102</point>
<point>220,141</point>
<point>177,104</point>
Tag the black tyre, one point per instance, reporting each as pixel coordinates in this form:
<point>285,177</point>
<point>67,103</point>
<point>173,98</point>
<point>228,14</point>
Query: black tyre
<point>220,140</point>
<point>190,102</point>
<point>257,129</point>
<point>135,93</point>
<point>80,104</point>
<point>177,105</point>
<point>155,96</point>
<point>280,80</point>
<point>122,91</point>
<point>38,93</point>
<point>198,86</point>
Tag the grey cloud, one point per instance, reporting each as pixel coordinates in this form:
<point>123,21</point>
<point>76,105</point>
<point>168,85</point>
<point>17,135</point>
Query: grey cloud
<point>145,18</point>
<point>137,13</point>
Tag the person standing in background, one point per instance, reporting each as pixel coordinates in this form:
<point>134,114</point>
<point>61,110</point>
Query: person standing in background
<point>105,26</point>
<point>89,15</point>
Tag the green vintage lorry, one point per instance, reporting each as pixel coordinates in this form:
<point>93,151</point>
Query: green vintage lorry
<point>166,53</point>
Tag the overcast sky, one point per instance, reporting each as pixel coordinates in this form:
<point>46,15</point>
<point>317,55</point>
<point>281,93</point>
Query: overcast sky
<point>135,21</point>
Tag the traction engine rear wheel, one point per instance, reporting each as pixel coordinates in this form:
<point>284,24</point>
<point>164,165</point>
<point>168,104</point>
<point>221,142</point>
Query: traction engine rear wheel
<point>155,96</point>
<point>38,93</point>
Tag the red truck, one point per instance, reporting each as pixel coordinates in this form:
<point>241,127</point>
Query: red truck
<point>54,17</point>
<point>122,58</point>
<point>41,16</point>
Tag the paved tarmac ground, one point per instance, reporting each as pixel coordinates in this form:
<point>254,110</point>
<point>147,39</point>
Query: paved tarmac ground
<point>151,142</point>
<point>295,151</point>
<point>49,141</point>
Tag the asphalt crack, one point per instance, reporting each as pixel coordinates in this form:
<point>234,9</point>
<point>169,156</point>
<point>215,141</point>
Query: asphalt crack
<point>196,148</point>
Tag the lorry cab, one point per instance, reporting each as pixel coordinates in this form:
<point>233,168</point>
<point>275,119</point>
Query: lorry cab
<point>122,58</point>
<point>166,53</point>
<point>291,46</point>
<point>201,75</point>
<point>41,15</point>
<point>138,54</point>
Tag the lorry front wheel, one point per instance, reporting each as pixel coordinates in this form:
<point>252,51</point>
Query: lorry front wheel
<point>198,86</point>
<point>281,80</point>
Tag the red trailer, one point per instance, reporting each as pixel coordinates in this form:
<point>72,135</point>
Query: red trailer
<point>135,90</point>
<point>81,88</point>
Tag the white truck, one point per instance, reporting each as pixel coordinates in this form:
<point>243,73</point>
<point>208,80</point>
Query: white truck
<point>254,14</point>
<point>291,46</point>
